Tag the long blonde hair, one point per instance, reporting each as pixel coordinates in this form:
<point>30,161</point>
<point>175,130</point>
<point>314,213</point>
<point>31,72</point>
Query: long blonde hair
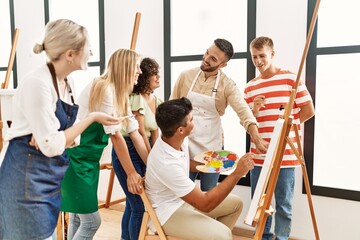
<point>120,74</point>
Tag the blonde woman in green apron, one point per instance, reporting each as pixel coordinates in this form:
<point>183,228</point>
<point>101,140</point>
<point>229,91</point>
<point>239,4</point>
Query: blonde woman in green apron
<point>108,93</point>
<point>42,128</point>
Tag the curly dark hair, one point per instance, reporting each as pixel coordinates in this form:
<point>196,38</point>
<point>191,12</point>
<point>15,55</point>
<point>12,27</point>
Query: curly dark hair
<point>149,67</point>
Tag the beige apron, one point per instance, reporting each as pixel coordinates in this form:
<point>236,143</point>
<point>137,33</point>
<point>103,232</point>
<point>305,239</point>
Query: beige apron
<point>207,132</point>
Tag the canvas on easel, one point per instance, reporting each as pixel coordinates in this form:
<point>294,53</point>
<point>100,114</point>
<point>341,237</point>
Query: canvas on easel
<point>260,207</point>
<point>257,200</point>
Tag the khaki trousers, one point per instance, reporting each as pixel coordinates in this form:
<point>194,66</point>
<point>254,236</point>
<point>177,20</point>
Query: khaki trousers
<point>189,223</point>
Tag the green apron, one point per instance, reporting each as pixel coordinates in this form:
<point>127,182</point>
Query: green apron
<point>80,183</point>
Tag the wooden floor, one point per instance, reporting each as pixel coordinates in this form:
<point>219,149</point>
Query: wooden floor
<point>110,225</point>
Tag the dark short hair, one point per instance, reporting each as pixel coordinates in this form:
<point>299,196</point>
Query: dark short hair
<point>149,67</point>
<point>261,42</point>
<point>171,114</point>
<point>225,46</point>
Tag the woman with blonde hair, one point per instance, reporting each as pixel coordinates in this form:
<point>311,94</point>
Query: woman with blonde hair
<point>108,93</point>
<point>42,128</point>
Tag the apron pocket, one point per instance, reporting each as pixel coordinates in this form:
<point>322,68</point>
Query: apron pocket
<point>43,176</point>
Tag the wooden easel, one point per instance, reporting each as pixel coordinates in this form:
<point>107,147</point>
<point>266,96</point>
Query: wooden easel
<point>5,84</point>
<point>109,166</point>
<point>264,208</point>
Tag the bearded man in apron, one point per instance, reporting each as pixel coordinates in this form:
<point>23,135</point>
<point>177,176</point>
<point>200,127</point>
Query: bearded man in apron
<point>210,92</point>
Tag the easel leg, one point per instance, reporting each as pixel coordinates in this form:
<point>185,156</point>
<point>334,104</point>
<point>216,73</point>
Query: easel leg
<point>108,201</point>
<point>308,193</point>
<point>261,226</point>
<point>110,188</point>
<point>306,180</point>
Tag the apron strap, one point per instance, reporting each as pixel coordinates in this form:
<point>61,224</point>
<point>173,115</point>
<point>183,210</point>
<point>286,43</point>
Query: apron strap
<point>194,81</point>
<point>70,91</point>
<point>216,84</point>
<point>214,91</point>
<point>53,75</point>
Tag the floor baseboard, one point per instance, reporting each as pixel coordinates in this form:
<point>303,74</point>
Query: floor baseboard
<point>238,231</point>
<point>242,232</point>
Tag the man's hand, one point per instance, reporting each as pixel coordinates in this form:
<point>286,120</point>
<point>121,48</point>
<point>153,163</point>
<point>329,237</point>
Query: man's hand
<point>261,144</point>
<point>259,102</point>
<point>193,165</point>
<point>245,164</point>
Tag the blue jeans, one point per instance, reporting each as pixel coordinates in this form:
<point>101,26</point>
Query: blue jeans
<point>83,226</point>
<point>207,180</point>
<point>134,207</point>
<point>284,193</point>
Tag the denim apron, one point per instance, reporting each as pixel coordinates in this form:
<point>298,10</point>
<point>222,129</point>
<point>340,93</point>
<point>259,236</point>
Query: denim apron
<point>30,183</point>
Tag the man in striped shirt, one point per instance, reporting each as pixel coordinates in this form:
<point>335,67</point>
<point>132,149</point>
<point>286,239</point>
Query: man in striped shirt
<point>267,94</point>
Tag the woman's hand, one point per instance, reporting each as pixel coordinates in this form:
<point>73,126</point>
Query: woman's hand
<point>33,143</point>
<point>135,183</point>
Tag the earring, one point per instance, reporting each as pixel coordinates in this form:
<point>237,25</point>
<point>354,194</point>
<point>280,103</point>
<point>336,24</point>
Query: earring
<point>70,62</point>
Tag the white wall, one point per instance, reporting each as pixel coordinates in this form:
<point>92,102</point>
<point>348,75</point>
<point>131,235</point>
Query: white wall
<point>283,20</point>
<point>119,22</point>
<point>31,25</point>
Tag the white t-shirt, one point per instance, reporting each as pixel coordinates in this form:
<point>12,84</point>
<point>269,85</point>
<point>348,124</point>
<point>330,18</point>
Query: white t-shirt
<point>167,178</point>
<point>33,112</point>
<point>107,106</point>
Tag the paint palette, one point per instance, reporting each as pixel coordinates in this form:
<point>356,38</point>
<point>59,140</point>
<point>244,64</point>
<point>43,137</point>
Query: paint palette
<point>216,161</point>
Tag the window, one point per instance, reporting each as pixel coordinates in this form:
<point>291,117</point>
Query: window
<point>7,28</point>
<point>189,31</point>
<point>90,14</point>
<point>332,79</point>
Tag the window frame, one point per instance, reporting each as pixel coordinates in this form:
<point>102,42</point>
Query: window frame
<point>12,29</point>
<point>309,128</point>
<point>101,7</point>
<point>168,59</point>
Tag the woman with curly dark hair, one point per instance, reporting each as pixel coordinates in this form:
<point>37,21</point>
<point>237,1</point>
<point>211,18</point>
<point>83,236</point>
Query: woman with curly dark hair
<point>144,102</point>
<point>143,105</point>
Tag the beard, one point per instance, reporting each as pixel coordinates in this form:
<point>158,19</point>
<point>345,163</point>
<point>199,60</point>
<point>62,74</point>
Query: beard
<point>209,68</point>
